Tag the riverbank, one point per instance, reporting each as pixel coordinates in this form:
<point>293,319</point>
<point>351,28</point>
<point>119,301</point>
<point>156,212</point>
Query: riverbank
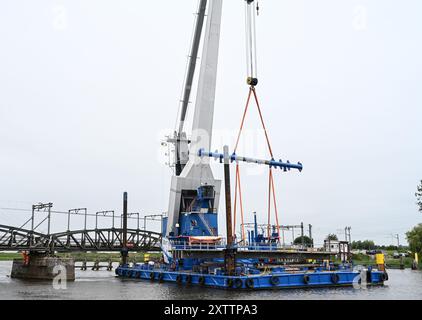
<point>390,262</point>
<point>9,256</point>
<point>79,257</point>
<point>140,257</point>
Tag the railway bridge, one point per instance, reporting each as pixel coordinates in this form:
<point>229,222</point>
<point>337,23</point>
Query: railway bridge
<point>39,248</point>
<point>85,240</point>
<point>111,238</point>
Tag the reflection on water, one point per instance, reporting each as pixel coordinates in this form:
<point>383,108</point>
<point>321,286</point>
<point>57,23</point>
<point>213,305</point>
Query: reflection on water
<point>403,284</point>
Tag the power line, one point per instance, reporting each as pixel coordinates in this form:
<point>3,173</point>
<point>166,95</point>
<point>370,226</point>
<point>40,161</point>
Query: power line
<point>58,212</point>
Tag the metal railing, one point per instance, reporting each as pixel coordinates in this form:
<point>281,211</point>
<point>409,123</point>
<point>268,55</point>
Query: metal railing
<point>221,245</point>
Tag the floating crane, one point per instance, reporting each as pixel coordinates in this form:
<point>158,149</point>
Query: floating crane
<point>193,251</point>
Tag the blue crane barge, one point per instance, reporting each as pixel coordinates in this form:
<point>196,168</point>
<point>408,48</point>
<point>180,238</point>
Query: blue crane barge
<point>197,256</point>
<point>193,250</point>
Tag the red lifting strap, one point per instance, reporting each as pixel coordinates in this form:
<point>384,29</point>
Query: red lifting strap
<point>238,189</point>
<point>271,188</point>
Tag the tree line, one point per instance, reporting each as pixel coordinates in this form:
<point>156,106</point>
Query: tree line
<point>414,236</point>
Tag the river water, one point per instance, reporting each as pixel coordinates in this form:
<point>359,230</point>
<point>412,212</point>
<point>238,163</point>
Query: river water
<point>402,284</point>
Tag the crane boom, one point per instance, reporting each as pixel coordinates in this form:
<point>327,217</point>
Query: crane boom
<point>197,172</point>
<point>192,62</point>
<point>180,140</point>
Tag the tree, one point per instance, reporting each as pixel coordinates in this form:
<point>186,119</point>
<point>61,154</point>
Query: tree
<point>357,245</point>
<point>363,245</point>
<point>368,245</point>
<point>418,195</point>
<point>414,237</point>
<point>306,241</point>
<point>332,237</point>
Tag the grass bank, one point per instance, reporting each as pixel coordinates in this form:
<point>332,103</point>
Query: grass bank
<point>365,260</point>
<point>78,257</point>
<point>6,256</point>
<point>105,257</point>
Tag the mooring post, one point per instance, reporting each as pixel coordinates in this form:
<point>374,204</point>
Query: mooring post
<point>229,256</point>
<point>110,264</point>
<point>124,249</point>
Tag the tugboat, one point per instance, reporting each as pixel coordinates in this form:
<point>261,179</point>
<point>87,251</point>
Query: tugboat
<point>194,252</point>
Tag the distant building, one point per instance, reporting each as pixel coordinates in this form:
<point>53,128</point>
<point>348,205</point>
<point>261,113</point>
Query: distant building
<point>332,246</point>
<point>341,248</point>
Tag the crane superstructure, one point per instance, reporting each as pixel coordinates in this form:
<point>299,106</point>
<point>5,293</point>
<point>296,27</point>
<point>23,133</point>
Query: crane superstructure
<point>193,172</point>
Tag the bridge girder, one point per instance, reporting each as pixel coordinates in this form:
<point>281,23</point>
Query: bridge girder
<point>96,240</point>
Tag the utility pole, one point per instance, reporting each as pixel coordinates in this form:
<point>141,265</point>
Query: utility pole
<point>302,235</point>
<point>103,213</point>
<point>37,208</point>
<point>398,240</point>
<point>350,235</point>
<point>32,218</point>
<point>284,241</point>
<point>310,234</point>
<point>347,234</point>
<point>49,218</point>
<point>125,250</point>
<point>293,235</point>
<point>76,212</point>
<point>137,218</point>
<point>152,217</point>
<point>349,247</point>
<point>255,228</point>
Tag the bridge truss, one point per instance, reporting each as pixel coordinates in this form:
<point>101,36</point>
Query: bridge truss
<point>96,240</point>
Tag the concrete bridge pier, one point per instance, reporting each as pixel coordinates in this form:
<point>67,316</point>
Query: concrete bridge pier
<point>37,266</point>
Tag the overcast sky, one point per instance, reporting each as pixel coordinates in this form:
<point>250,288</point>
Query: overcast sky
<point>89,87</point>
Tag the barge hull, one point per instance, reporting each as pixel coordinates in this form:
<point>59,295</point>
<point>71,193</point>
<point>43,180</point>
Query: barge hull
<point>256,282</point>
